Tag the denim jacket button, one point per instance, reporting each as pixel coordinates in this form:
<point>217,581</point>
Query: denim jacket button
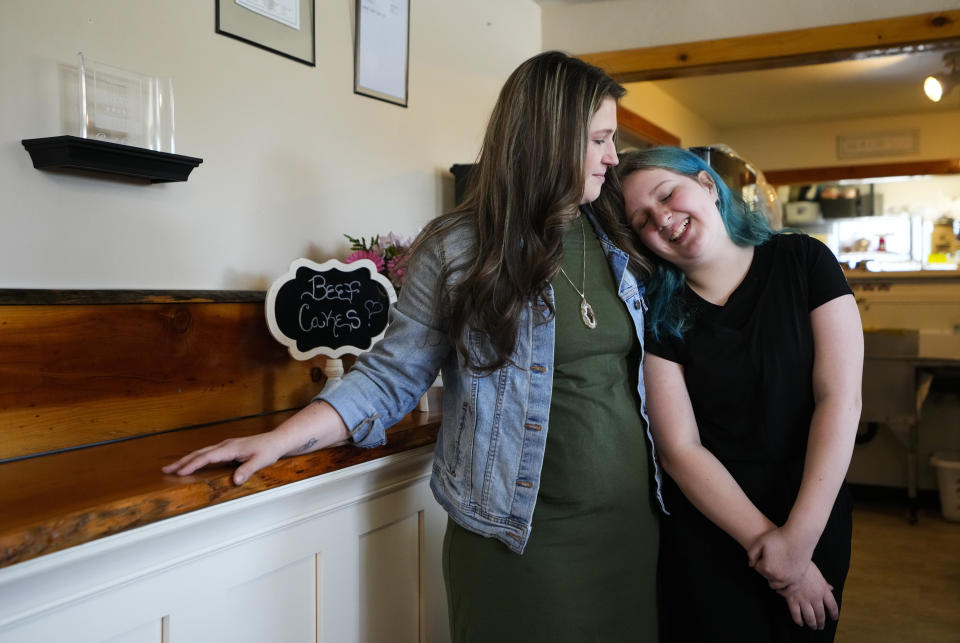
<point>637,304</point>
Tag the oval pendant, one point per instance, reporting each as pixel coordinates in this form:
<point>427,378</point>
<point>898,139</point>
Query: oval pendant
<point>586,314</point>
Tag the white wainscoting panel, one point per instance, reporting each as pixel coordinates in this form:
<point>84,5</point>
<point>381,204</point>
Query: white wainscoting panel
<point>390,578</point>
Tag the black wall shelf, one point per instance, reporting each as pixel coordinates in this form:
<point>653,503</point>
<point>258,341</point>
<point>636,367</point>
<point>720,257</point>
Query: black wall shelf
<point>76,153</point>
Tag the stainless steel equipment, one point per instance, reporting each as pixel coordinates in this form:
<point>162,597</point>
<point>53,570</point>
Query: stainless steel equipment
<point>745,180</point>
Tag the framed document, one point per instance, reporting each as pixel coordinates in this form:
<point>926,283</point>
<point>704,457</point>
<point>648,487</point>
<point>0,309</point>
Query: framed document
<point>381,53</point>
<point>285,27</point>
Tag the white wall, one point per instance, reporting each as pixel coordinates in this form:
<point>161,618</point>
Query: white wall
<point>667,112</point>
<point>814,144</point>
<point>292,158</point>
<point>610,25</point>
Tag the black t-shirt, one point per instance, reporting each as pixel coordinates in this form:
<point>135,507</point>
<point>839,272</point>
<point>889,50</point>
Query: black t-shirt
<point>749,364</point>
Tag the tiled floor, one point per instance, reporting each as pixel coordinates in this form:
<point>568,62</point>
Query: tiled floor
<point>904,582</point>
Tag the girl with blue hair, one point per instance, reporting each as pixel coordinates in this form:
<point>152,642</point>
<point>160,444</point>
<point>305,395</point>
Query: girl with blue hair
<point>753,372</point>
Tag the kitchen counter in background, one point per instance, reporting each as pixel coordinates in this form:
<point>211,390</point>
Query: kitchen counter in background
<point>927,302</point>
<point>911,323</point>
<point>901,276</point>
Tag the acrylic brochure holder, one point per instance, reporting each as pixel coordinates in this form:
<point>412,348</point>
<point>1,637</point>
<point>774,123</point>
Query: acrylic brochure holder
<point>121,106</point>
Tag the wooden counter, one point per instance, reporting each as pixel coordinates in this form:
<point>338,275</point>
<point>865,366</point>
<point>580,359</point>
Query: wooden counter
<point>100,389</point>
<point>353,554</point>
<point>918,276</point>
<point>52,502</point>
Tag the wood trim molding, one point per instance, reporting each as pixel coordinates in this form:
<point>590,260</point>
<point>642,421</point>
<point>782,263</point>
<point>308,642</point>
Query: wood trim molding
<point>802,176</point>
<point>49,297</point>
<point>644,129</point>
<point>939,30</point>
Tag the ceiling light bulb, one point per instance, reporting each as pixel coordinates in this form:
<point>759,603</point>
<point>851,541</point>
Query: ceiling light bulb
<point>933,88</point>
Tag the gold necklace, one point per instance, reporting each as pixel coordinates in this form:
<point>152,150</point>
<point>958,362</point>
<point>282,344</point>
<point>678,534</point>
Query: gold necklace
<point>586,310</point>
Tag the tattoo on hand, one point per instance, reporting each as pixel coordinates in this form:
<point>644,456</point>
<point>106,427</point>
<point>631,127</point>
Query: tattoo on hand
<point>306,447</point>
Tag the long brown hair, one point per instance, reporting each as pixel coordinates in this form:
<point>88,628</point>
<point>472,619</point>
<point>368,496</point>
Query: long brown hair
<point>523,193</point>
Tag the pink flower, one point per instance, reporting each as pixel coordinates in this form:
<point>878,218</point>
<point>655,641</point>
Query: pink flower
<point>397,269</point>
<point>367,254</point>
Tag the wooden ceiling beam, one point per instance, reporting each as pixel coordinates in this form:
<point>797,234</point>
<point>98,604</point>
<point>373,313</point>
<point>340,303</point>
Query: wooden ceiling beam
<point>905,34</point>
<point>810,175</point>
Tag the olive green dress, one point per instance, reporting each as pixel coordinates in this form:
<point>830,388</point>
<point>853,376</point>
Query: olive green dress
<point>588,572</point>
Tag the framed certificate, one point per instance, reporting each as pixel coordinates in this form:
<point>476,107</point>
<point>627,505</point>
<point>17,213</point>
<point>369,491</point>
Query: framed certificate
<point>382,50</point>
<point>285,27</point>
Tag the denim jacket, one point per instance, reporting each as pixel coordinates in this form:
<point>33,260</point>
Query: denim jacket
<point>490,448</point>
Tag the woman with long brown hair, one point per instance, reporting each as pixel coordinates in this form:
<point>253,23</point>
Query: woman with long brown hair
<point>530,306</point>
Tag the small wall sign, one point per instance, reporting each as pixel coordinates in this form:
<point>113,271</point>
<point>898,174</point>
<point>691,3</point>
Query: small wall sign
<point>893,143</point>
<point>330,309</point>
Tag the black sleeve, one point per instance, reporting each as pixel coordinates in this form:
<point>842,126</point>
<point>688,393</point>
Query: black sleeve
<point>825,277</point>
<point>668,347</point>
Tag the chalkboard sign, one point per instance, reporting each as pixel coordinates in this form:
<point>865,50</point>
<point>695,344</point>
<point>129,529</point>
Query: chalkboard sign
<point>330,309</point>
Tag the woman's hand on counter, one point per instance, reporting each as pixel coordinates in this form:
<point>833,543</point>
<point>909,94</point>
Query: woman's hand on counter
<point>314,427</point>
